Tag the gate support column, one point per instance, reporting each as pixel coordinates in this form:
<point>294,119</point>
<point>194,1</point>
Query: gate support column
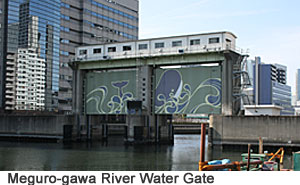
<point>77,104</point>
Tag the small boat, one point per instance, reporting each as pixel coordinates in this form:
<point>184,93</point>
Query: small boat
<point>249,162</point>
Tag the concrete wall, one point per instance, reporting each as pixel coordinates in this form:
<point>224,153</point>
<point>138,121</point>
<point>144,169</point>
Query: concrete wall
<point>262,110</point>
<point>275,130</point>
<point>39,126</point>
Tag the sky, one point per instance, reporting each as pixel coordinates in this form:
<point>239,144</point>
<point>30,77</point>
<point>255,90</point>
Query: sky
<point>267,28</point>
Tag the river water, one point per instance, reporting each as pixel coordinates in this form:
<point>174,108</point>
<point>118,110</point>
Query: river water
<point>112,155</point>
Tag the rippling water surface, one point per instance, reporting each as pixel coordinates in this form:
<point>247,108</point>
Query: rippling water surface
<point>113,155</point>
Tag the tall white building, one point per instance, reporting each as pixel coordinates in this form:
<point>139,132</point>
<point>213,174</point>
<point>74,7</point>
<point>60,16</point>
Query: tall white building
<point>30,81</point>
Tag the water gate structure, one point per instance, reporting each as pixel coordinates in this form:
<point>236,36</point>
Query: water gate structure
<point>140,85</point>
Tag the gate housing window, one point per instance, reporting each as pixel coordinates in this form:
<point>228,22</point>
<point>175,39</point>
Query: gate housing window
<point>214,40</point>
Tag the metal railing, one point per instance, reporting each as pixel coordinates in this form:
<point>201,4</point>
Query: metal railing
<point>162,52</point>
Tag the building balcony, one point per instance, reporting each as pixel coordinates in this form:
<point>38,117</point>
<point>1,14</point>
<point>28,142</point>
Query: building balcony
<point>22,80</point>
<point>25,85</point>
<point>9,107</point>
<point>22,87</point>
<point>10,62</point>
<point>10,74</point>
<point>10,84</point>
<point>22,94</point>
<point>10,88</point>
<point>10,79</point>
<point>23,72</point>
<point>8,91</point>
<point>10,69</point>
<point>9,103</point>
<point>9,96</point>
<point>10,57</point>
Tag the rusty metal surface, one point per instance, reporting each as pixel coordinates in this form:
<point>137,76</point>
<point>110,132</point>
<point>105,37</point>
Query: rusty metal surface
<point>202,143</point>
<point>232,166</point>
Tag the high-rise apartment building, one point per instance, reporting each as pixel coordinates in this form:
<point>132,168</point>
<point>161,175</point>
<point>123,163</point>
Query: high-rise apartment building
<point>298,85</point>
<point>52,29</point>
<point>30,81</point>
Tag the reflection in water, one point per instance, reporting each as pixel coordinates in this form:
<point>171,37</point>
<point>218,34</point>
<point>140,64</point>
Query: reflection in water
<point>113,155</point>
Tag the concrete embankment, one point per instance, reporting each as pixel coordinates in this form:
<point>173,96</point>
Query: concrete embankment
<point>223,130</point>
<point>241,130</point>
<point>38,126</point>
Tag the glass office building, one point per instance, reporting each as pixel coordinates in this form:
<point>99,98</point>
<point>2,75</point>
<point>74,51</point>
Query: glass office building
<point>35,24</point>
<point>92,22</point>
<point>3,39</point>
<point>52,29</point>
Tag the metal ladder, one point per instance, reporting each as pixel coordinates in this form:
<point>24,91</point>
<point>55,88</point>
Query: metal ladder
<point>240,80</point>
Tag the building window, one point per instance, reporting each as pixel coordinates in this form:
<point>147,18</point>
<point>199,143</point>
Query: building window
<point>143,46</point>
<point>62,28</point>
<point>82,52</point>
<point>97,50</point>
<point>126,48</point>
<point>64,53</point>
<point>159,45</point>
<point>100,5</point>
<point>176,43</point>
<point>228,40</point>
<point>214,40</point>
<point>65,5</point>
<point>65,17</point>
<point>110,19</point>
<point>195,42</point>
<point>111,49</point>
<point>65,41</point>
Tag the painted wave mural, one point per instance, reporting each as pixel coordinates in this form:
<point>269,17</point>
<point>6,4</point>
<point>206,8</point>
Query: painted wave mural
<point>108,92</point>
<point>177,91</point>
<point>175,96</point>
<point>117,102</point>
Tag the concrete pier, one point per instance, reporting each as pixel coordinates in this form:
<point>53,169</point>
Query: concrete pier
<point>135,125</point>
